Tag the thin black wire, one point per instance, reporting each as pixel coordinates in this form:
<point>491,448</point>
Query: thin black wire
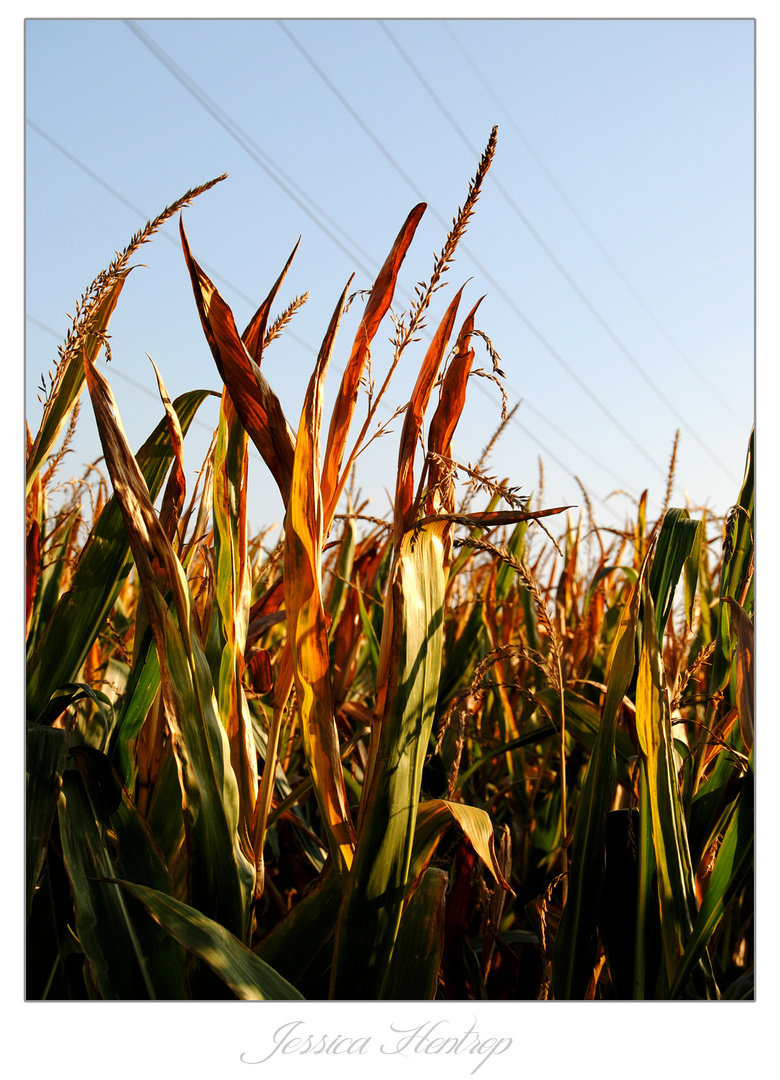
<point>244,140</point>
<point>258,155</point>
<point>588,230</point>
<point>559,266</point>
<point>226,122</point>
<point>500,290</point>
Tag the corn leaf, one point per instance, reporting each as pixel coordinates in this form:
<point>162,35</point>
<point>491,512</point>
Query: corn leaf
<point>676,885</point>
<point>129,956</point>
<point>254,335</point>
<point>678,546</point>
<point>294,942</point>
<point>413,420</point>
<point>736,573</point>
<point>220,877</point>
<point>435,816</point>
<point>45,761</point>
<point>306,625</point>
<point>731,870</point>
<point>575,941</point>
<point>414,971</point>
<point>104,564</point>
<point>69,383</point>
<point>375,892</point>
<point>233,594</point>
<point>256,404</point>
<point>744,670</point>
<point>249,977</point>
<point>341,418</point>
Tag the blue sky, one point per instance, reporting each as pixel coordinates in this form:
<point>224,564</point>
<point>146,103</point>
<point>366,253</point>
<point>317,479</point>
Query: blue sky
<point>613,241</point>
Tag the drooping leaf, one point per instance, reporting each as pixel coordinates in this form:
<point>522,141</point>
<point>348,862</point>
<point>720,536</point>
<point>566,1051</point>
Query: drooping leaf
<point>256,404</point>
<point>220,878</point>
<point>104,564</point>
<point>249,977</point>
<point>435,816</point>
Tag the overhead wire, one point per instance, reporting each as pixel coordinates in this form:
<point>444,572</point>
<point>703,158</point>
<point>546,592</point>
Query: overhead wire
<point>619,272</point>
<point>150,393</point>
<point>245,141</point>
<point>559,265</point>
<point>269,166</point>
<point>500,290</point>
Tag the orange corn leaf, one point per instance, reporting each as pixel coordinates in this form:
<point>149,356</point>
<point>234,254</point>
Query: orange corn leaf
<point>256,404</point>
<point>404,491</point>
<point>254,335</point>
<point>447,415</point>
<point>378,303</point>
<point>306,625</point>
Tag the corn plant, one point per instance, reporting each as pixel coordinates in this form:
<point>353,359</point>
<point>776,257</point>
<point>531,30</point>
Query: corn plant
<point>446,756</point>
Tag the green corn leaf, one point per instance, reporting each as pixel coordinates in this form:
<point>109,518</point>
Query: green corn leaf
<point>736,574</point>
<point>575,942</point>
<point>414,969</point>
<point>129,956</point>
<point>45,762</point>
<point>47,592</point>
<point>249,977</point>
<point>731,870</point>
<point>411,651</point>
<point>676,885</point>
<point>142,687</point>
<point>221,877</point>
<point>678,546</point>
<point>233,588</point>
<point>368,629</point>
<point>103,566</point>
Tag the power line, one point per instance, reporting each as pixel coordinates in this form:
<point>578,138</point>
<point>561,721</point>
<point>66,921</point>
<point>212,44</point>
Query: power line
<point>590,233</point>
<point>245,141</point>
<point>190,83</point>
<point>557,263</point>
<point>269,166</point>
<point>502,292</point>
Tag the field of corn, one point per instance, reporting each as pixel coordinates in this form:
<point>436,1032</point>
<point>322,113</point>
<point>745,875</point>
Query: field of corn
<point>484,749</point>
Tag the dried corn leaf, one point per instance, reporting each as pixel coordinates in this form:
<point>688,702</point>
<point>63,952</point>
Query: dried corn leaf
<point>378,304</point>
<point>306,624</point>
<point>256,403</point>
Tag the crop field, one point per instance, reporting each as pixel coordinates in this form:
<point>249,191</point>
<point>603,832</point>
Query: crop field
<point>482,749</point>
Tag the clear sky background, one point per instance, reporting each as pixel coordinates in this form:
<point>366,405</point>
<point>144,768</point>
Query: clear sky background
<point>613,240</point>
